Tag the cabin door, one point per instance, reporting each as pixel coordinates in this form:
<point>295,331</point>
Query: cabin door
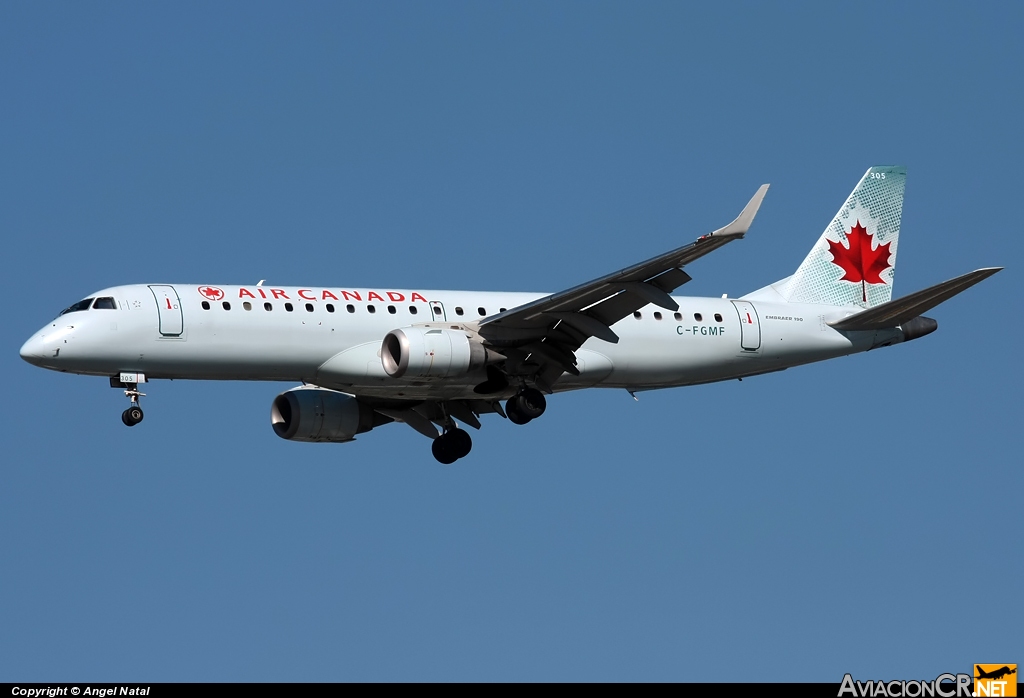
<point>169,307</point>
<point>750,327</point>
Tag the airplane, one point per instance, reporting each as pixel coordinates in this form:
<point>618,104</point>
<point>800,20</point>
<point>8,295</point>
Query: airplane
<point>439,360</point>
<point>996,674</point>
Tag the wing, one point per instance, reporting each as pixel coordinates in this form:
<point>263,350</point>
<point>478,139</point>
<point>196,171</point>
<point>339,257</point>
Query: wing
<point>539,338</point>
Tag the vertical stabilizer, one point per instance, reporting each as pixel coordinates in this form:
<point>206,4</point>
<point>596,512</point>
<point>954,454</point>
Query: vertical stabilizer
<point>854,260</point>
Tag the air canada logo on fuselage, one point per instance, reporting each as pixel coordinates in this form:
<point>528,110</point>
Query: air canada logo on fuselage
<point>211,292</point>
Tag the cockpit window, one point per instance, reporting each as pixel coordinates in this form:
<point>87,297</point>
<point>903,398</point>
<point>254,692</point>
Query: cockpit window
<point>80,305</point>
<point>104,304</point>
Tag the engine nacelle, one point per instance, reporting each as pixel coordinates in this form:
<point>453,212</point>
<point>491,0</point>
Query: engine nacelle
<point>317,414</point>
<point>424,352</point>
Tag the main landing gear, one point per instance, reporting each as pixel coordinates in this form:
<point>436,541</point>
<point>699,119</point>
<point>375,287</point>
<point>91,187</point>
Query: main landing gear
<point>133,415</point>
<point>455,443</point>
<point>452,445</point>
<point>525,406</point>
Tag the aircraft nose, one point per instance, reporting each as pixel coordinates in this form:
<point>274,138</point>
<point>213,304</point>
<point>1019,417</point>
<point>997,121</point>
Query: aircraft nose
<point>32,350</point>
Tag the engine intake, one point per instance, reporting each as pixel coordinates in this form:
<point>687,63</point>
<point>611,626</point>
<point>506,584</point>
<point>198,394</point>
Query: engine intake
<point>318,414</point>
<point>422,352</point>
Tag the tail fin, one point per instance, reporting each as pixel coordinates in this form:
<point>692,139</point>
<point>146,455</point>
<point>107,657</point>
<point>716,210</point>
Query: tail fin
<point>854,260</point>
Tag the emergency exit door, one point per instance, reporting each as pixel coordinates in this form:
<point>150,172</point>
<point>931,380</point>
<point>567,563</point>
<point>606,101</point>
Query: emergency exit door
<point>750,327</point>
<point>169,307</point>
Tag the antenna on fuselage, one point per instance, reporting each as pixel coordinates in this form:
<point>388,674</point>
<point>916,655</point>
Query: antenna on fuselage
<point>260,283</point>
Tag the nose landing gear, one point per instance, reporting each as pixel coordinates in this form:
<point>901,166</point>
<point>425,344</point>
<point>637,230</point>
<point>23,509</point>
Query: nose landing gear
<point>133,415</point>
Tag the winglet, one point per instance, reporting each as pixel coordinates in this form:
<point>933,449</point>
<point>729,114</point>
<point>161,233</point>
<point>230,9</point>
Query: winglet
<point>742,223</point>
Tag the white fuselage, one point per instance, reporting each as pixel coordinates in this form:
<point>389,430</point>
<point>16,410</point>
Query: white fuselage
<point>332,337</point>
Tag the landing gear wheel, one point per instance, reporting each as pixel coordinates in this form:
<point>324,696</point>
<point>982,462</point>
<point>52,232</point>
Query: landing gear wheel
<point>132,416</point>
<point>451,446</point>
<point>443,451</point>
<point>512,409</point>
<point>461,443</point>
<point>532,403</point>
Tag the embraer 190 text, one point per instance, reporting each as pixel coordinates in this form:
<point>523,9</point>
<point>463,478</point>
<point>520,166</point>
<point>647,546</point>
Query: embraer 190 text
<point>437,359</point>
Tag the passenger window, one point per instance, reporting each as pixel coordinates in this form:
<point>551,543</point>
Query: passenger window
<point>370,309</point>
<point>481,311</point>
<point>458,310</point>
<point>227,306</point>
<point>80,305</point>
<point>718,317</point>
<point>206,305</point>
<point>678,316</point>
<point>698,317</point>
<point>637,315</point>
<point>412,310</point>
<point>330,307</point>
<point>392,309</point>
<point>309,307</point>
<point>657,316</point>
<point>350,308</point>
<point>268,307</point>
<point>247,305</point>
<point>104,304</point>
<point>288,307</point>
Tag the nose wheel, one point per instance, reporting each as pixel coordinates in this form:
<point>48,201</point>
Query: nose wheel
<point>133,415</point>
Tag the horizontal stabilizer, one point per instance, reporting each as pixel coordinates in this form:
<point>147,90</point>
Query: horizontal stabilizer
<point>909,307</point>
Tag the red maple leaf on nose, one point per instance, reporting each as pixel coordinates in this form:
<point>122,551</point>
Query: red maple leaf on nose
<point>859,262</point>
<point>209,292</point>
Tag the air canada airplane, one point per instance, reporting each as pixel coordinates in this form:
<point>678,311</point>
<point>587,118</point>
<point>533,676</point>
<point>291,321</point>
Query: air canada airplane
<point>438,359</point>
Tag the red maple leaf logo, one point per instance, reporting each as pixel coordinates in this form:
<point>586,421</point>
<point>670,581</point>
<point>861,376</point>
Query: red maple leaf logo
<point>859,262</point>
<point>211,292</point>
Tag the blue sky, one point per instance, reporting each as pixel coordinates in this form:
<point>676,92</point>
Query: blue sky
<point>852,516</point>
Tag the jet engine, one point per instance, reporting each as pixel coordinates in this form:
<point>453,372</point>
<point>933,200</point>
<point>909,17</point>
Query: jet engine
<point>423,352</point>
<point>317,414</point>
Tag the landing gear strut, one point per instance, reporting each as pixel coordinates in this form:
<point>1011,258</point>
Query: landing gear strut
<point>133,415</point>
<point>525,406</point>
<point>451,445</point>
